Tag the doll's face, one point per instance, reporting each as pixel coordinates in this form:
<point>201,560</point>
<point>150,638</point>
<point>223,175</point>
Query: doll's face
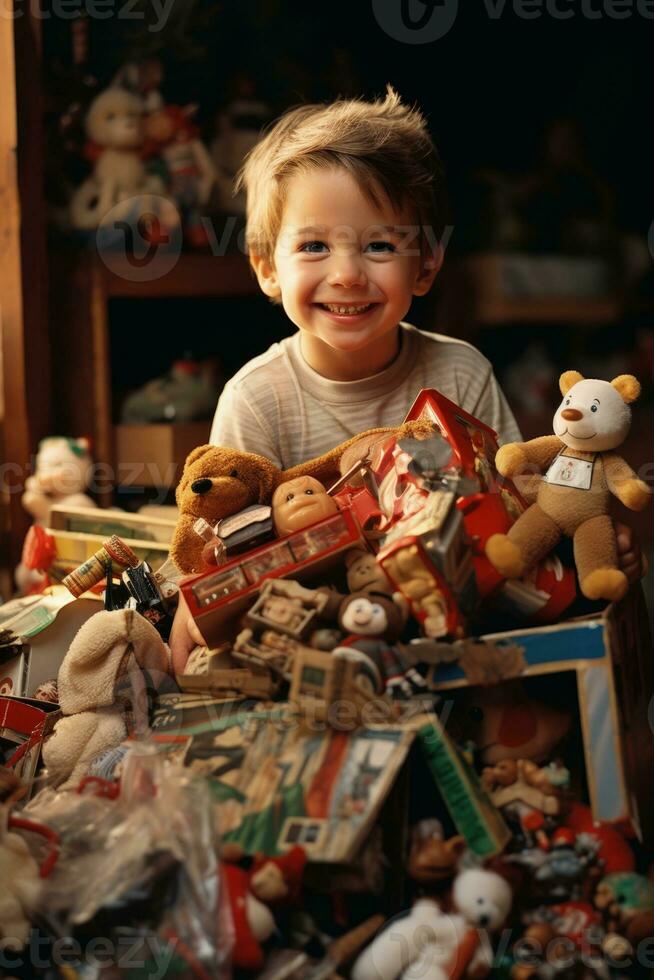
<point>365,617</point>
<point>363,573</point>
<point>300,503</point>
<point>279,609</point>
<point>159,126</point>
<point>346,270</point>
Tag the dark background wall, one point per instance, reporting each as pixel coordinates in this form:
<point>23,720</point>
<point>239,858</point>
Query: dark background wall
<point>489,86</point>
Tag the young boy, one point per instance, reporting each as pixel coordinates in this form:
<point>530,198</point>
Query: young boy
<point>343,228</point>
<point>344,218</point>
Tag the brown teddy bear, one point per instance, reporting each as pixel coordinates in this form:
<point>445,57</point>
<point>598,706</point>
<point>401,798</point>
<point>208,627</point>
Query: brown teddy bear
<point>581,472</point>
<point>218,482</point>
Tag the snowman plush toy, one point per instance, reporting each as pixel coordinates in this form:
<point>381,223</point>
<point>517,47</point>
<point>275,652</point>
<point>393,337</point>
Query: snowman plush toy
<point>581,471</point>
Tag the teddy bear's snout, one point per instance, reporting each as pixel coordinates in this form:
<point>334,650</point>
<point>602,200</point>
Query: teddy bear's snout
<point>572,414</point>
<point>201,486</point>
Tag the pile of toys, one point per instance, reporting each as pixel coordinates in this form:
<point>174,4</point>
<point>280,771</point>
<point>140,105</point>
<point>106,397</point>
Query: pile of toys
<point>352,775</point>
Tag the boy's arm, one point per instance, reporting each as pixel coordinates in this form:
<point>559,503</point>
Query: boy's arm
<point>237,424</point>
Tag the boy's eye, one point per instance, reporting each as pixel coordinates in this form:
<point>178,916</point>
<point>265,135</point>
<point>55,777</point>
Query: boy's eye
<point>312,247</point>
<point>375,247</point>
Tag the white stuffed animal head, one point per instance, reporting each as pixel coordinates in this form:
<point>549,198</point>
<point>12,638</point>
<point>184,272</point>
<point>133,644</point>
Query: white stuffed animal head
<point>63,466</point>
<point>482,897</point>
<point>115,120</point>
<point>594,415</point>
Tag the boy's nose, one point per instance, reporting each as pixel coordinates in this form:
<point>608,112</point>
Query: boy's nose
<point>346,271</point>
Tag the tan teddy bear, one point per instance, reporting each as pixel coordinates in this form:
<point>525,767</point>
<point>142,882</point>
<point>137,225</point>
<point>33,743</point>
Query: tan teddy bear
<point>218,482</point>
<point>582,471</point>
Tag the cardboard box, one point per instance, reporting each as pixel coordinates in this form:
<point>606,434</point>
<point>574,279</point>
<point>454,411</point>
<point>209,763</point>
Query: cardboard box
<point>75,547</point>
<point>610,657</point>
<point>49,626</point>
<point>276,782</point>
<point>144,526</point>
<point>154,455</point>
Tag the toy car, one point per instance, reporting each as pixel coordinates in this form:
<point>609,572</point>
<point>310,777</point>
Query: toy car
<point>217,597</point>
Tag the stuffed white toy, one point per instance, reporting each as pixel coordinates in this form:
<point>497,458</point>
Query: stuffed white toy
<point>114,125</point>
<point>21,887</point>
<point>431,944</point>
<point>102,691</point>
<point>61,475</point>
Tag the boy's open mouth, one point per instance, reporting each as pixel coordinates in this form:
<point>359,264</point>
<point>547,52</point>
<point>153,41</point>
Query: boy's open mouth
<point>346,309</point>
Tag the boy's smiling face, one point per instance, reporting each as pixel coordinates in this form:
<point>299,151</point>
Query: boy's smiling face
<point>346,271</point>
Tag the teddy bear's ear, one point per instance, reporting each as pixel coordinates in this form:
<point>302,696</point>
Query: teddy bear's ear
<point>196,453</point>
<point>627,387</point>
<point>568,379</point>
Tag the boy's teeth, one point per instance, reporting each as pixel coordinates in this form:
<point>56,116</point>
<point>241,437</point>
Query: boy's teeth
<point>334,308</point>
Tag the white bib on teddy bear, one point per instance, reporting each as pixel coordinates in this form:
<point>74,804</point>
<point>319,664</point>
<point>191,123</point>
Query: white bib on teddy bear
<point>568,471</point>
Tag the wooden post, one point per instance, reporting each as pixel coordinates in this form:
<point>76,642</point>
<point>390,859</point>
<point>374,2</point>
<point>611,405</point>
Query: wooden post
<point>24,346</point>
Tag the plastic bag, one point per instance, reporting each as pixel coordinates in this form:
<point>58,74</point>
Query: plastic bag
<point>141,866</point>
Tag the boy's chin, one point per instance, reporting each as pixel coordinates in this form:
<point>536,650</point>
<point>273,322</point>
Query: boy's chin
<point>354,345</point>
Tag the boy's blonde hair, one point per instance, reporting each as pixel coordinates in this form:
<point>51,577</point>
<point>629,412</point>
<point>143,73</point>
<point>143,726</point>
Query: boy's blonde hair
<point>384,145</point>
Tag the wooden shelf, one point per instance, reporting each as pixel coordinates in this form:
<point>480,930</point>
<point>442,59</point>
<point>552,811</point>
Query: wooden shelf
<point>586,312</point>
<point>194,275</point>
<point>25,402</point>
<point>474,298</point>
<point>81,287</point>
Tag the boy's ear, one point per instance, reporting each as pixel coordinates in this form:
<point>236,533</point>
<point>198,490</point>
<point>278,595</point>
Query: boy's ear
<point>265,273</point>
<point>429,268</point>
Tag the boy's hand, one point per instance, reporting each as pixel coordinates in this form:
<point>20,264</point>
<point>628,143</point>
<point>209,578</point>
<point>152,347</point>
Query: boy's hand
<point>184,636</point>
<point>631,560</point>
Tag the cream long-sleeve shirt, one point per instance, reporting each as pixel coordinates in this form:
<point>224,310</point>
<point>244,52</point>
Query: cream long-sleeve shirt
<point>278,406</point>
